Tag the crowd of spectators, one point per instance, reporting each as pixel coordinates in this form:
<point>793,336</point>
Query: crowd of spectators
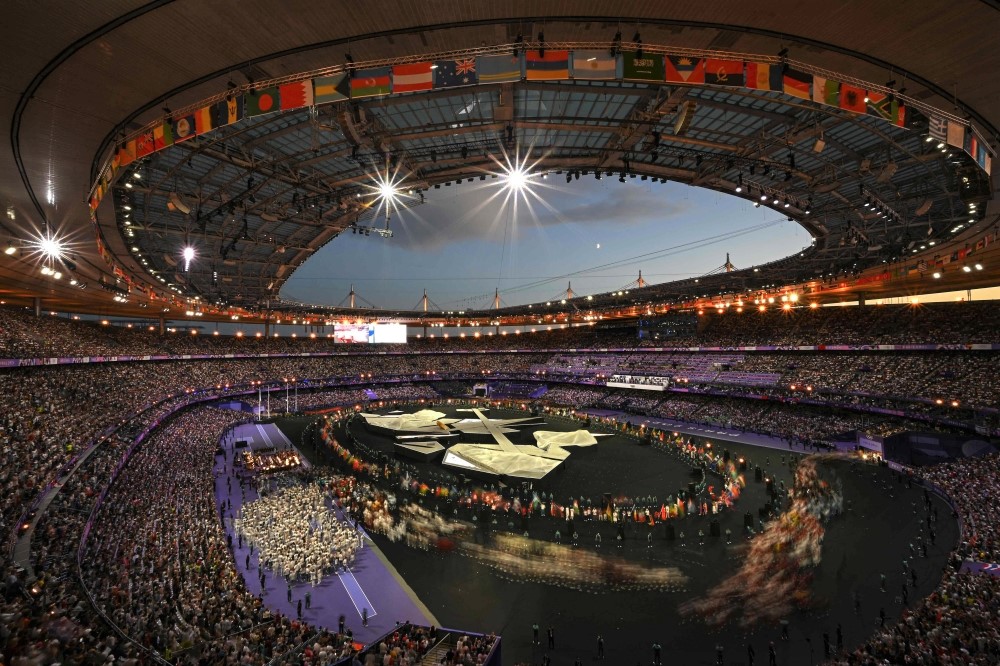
<point>51,414</point>
<point>974,485</point>
<point>959,623</point>
<point>22,335</point>
<point>157,562</point>
<point>801,424</point>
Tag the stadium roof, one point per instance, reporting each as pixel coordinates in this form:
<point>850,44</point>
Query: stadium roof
<point>883,186</point>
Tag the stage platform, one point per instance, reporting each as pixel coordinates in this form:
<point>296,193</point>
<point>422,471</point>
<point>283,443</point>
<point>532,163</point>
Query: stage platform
<point>372,583</point>
<point>261,438</point>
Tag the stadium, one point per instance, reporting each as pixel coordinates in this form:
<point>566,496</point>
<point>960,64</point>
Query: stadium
<point>500,333</point>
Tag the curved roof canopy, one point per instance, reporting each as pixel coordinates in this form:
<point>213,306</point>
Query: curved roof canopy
<point>256,197</point>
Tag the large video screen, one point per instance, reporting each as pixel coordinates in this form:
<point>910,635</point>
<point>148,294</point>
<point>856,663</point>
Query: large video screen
<point>352,333</point>
<point>389,333</point>
<point>369,333</point>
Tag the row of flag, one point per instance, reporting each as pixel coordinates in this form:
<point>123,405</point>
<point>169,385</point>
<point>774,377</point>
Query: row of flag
<point>547,65</point>
<point>940,260</point>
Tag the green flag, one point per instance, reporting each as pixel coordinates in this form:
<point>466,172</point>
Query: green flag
<point>647,68</point>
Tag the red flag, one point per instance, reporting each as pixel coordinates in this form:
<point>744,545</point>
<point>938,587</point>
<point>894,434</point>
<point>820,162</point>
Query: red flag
<point>852,99</point>
<point>295,95</point>
<point>144,144</point>
<point>413,77</point>
<point>724,72</point>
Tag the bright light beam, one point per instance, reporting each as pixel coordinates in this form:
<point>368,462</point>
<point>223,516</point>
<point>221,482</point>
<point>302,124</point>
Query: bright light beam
<point>49,246</point>
<point>516,179</point>
<point>188,255</point>
<point>388,193</point>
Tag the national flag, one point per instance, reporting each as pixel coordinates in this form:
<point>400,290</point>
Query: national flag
<point>852,98</point>
<point>163,136</point>
<point>228,111</point>
<point>454,73</point>
<point>988,163</point>
<point>796,83</point>
<point>981,153</point>
<point>599,65</point>
<point>259,102</point>
<point>901,114</point>
<point>126,153</point>
<point>413,77</point>
<point>647,68</point>
<point>724,72</point>
<point>552,66</point>
<point>956,135</point>
<point>498,68</point>
<point>883,106</point>
<point>761,76</point>
<point>144,144</point>
<point>183,128</point>
<point>819,89</point>
<point>827,92</point>
<point>683,69</point>
<point>203,120</point>
<point>370,82</point>
<point>295,95</point>
<point>937,127</point>
<point>971,144</point>
<point>328,89</point>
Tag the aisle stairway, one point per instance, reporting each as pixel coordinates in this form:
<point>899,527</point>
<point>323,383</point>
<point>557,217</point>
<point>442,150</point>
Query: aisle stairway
<point>436,653</point>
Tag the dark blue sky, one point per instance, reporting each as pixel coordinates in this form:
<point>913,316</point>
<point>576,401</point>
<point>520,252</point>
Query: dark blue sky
<point>462,244</point>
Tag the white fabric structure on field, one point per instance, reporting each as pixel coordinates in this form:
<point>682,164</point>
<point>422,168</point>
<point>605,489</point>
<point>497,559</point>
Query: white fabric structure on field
<point>516,460</point>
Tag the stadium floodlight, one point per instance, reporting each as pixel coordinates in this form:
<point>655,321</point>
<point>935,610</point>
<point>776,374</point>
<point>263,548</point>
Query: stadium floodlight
<point>188,254</point>
<point>516,178</point>
<point>387,190</point>
<point>49,246</point>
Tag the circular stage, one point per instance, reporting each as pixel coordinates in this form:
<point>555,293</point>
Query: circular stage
<point>616,465</point>
<point>872,535</point>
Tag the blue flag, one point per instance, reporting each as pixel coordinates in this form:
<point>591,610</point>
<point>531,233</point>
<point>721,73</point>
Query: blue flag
<point>453,73</point>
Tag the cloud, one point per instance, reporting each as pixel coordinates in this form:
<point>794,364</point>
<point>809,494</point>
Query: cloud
<point>624,204</point>
<point>463,217</point>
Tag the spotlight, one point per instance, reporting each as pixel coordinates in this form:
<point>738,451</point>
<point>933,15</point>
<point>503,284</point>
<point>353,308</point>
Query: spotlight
<point>188,254</point>
<point>516,178</point>
<point>10,249</point>
<point>48,245</point>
